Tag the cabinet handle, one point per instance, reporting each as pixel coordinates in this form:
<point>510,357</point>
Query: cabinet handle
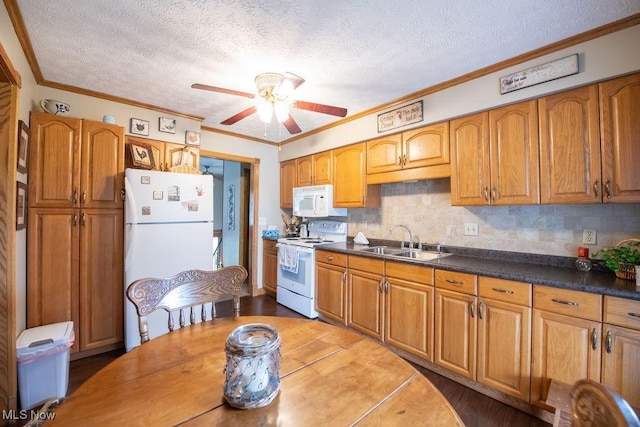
<point>493,194</point>
<point>329,258</point>
<point>386,287</point>
<point>454,282</point>
<point>607,188</point>
<point>472,309</point>
<point>596,188</point>
<point>503,291</point>
<point>486,194</point>
<point>594,339</point>
<point>404,160</point>
<point>381,285</point>
<point>344,277</point>
<point>636,315</point>
<point>123,194</point>
<point>480,309</point>
<point>399,160</point>
<point>84,219</point>
<point>609,342</point>
<point>83,200</point>
<point>75,196</point>
<point>561,301</point>
<point>74,220</point>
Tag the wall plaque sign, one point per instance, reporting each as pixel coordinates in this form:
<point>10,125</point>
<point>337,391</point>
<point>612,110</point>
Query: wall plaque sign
<point>410,113</point>
<point>539,74</point>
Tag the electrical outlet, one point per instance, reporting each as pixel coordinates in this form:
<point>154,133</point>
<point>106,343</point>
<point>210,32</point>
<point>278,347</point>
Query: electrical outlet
<point>588,236</point>
<point>364,224</point>
<point>471,229</point>
<point>262,220</point>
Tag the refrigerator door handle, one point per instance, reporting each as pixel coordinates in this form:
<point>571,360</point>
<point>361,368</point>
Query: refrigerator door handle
<point>131,208</point>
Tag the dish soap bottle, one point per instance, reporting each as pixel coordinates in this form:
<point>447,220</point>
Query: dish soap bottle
<point>583,263</point>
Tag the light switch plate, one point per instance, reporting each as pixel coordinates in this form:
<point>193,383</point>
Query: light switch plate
<point>470,229</point>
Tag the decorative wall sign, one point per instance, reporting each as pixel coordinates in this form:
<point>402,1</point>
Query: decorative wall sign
<point>23,146</point>
<point>539,74</point>
<point>21,206</point>
<point>141,155</point>
<point>410,113</point>
<point>139,127</point>
<point>231,208</point>
<point>167,125</point>
<point>192,138</point>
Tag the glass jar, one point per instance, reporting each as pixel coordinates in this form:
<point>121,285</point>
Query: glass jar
<point>253,366</point>
<point>583,263</point>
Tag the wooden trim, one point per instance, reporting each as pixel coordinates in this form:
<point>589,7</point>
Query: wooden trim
<point>8,73</point>
<point>18,26</point>
<point>237,135</point>
<point>427,172</point>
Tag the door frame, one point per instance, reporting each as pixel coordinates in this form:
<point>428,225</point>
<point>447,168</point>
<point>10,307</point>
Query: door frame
<point>254,194</point>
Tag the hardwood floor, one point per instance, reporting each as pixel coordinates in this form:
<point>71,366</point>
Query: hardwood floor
<point>475,409</point>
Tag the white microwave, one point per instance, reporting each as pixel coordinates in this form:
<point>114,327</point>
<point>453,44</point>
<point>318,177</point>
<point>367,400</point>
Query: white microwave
<point>315,201</point>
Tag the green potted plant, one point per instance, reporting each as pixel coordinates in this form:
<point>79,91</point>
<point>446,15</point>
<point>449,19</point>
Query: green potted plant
<point>621,259</point>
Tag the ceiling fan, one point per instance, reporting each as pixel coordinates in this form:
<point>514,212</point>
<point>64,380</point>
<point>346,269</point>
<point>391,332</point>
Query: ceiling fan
<point>273,95</point>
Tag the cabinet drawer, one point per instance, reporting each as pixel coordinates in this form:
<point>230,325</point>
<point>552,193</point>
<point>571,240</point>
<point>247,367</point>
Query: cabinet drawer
<point>459,282</point>
<point>375,266</point>
<point>505,290</point>
<point>621,311</point>
<point>564,301</point>
<point>269,245</point>
<point>410,272</point>
<point>333,258</point>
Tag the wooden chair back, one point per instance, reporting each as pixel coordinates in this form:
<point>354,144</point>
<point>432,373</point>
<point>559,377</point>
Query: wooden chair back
<point>595,405</point>
<point>186,290</point>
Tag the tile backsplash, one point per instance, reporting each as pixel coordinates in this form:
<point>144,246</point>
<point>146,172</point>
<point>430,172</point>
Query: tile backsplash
<point>425,207</point>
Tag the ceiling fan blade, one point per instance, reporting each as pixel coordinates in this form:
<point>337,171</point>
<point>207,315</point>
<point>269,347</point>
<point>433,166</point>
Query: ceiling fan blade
<point>320,108</point>
<point>222,90</point>
<point>296,81</point>
<point>291,125</point>
<point>241,115</point>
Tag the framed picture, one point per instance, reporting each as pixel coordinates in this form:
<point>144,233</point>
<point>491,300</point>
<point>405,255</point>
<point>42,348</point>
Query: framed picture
<point>24,135</point>
<point>141,155</point>
<point>139,127</point>
<point>192,138</point>
<point>21,206</point>
<point>167,125</point>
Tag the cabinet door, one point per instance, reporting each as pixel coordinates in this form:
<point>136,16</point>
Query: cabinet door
<point>513,136</point>
<point>366,302</point>
<point>287,182</point>
<point>504,347</point>
<point>455,332</point>
<point>102,170</point>
<point>101,278</point>
<point>620,130</point>
<point>470,183</point>
<point>323,168</point>
<point>426,146</point>
<point>621,362</point>
<point>304,171</point>
<point>270,267</point>
<point>331,291</point>
<point>409,317</point>
<point>54,166</point>
<point>52,267</point>
<point>570,147</point>
<point>349,177</point>
<point>565,349</point>
<point>384,154</point>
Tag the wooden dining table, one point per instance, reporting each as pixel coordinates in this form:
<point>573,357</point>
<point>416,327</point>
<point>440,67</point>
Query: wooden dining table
<point>329,376</point>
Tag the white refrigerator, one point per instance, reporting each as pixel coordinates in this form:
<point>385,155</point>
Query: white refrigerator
<point>168,229</point>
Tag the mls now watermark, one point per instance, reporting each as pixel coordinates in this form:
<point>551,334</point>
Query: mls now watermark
<point>32,414</point>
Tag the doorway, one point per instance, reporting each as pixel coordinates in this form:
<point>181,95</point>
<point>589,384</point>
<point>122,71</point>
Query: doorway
<point>234,182</point>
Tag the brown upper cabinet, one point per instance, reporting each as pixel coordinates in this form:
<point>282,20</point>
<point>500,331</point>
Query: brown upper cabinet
<point>169,154</point>
<point>88,158</point>
<point>587,154</point>
<point>495,157</point>
<point>415,154</point>
<point>316,169</point>
<point>287,182</point>
<point>350,188</point>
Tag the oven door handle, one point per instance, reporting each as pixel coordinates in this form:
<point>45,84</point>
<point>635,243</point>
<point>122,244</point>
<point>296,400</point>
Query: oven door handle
<point>301,249</point>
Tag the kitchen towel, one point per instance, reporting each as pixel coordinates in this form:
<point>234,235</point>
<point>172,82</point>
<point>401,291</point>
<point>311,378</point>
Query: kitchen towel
<point>360,239</point>
<point>289,257</point>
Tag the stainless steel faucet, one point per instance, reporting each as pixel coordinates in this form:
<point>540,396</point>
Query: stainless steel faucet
<point>408,231</point>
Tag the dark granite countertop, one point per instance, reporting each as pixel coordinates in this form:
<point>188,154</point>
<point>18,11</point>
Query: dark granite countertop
<point>558,272</point>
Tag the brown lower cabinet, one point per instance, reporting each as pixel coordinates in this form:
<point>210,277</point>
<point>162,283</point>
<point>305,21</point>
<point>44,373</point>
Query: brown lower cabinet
<point>331,285</point>
<point>270,266</point>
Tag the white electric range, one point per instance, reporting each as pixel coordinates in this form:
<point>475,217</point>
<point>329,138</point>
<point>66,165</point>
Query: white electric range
<point>296,264</point>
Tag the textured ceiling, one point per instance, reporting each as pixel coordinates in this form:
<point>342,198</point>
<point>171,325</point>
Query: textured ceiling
<point>356,54</point>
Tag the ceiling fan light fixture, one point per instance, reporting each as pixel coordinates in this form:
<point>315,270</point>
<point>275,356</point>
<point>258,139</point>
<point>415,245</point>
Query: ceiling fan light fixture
<point>281,109</point>
<point>265,110</point>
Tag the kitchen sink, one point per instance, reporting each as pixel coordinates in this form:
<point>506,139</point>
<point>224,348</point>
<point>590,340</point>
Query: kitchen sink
<point>383,250</point>
<point>422,255</point>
